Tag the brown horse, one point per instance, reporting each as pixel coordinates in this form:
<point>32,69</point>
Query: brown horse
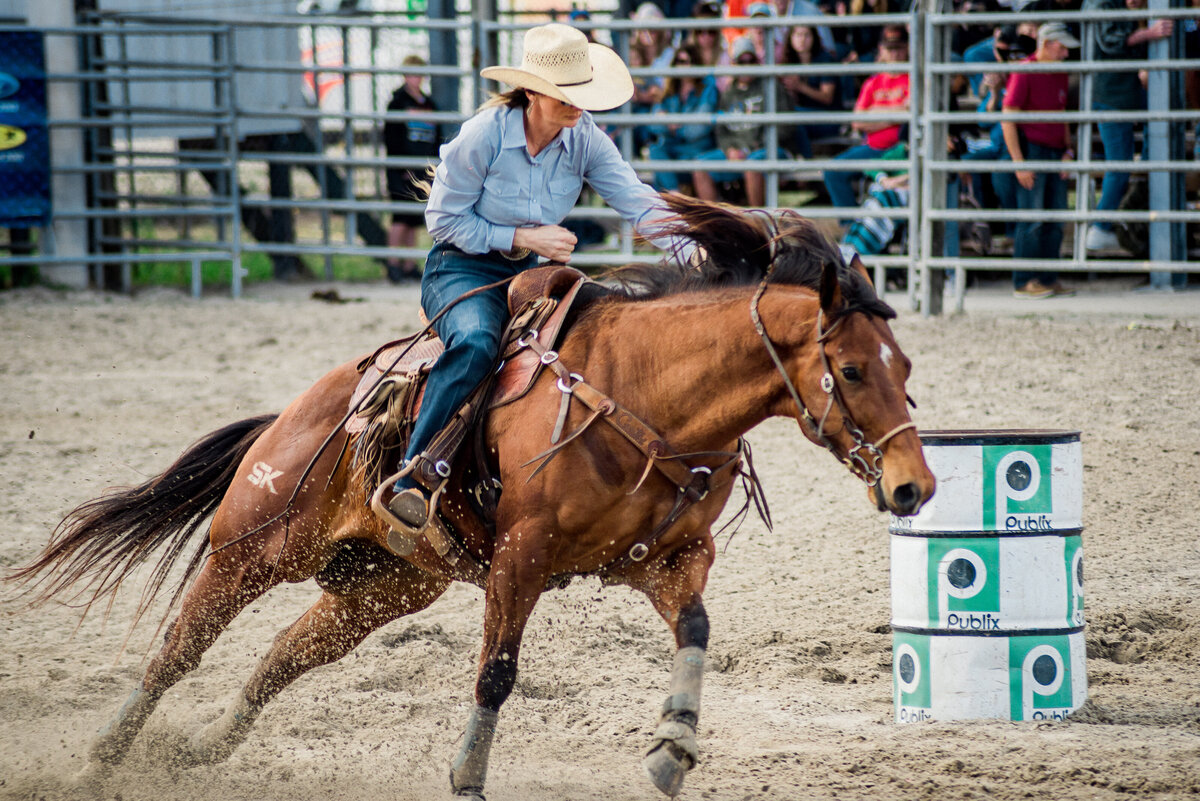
<point>773,324</point>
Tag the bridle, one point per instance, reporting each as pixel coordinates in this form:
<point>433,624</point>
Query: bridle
<point>865,459</point>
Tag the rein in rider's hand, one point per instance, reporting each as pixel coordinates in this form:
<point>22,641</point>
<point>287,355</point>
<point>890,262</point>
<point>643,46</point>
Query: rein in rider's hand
<point>551,241</point>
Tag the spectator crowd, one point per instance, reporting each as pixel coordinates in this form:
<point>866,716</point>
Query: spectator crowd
<point>675,72</point>
<point>886,91</point>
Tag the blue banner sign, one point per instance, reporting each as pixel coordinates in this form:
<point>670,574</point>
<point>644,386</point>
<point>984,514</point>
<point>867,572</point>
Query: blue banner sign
<point>24,137</point>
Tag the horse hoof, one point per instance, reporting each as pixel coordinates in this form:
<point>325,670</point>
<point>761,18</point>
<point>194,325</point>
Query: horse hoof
<point>205,750</point>
<point>666,769</point>
<point>470,795</point>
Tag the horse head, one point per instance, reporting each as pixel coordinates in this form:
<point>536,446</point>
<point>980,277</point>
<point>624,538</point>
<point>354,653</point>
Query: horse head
<point>842,374</point>
<point>859,391</point>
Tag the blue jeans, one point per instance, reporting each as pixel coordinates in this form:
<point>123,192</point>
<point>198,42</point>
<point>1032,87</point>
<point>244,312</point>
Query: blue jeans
<point>1039,239</point>
<point>841,192</point>
<point>470,330</point>
<point>1117,138</point>
<point>717,154</point>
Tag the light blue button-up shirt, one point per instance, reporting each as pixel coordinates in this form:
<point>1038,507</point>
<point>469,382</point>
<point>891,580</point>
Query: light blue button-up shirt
<point>487,185</point>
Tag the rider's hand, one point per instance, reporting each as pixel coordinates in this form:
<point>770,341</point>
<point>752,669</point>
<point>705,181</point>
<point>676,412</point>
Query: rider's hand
<point>552,241</point>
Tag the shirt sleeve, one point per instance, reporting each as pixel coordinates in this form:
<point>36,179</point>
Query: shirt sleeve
<point>643,208</point>
<point>451,215</point>
<point>1016,91</point>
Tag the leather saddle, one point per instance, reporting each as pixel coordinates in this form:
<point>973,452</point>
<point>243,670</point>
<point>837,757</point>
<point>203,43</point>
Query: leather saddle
<point>387,399</point>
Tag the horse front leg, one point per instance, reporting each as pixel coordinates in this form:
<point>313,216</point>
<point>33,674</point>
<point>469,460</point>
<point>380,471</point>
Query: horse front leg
<point>675,589</point>
<point>515,583</point>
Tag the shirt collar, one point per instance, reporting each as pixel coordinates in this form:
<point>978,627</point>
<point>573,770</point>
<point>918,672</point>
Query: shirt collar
<point>513,134</point>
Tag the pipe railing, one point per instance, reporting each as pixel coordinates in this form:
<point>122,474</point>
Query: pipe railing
<point>346,148</point>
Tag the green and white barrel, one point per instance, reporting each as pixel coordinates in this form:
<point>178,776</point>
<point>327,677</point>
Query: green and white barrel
<point>987,581</point>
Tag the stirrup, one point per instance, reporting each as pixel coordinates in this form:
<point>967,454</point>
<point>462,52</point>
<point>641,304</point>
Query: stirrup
<point>402,538</point>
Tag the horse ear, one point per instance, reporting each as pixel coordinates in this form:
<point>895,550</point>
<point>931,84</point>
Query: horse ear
<point>857,265</point>
<point>831,291</point>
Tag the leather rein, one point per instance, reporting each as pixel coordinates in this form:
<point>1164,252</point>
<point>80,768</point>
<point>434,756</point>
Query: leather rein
<point>865,458</point>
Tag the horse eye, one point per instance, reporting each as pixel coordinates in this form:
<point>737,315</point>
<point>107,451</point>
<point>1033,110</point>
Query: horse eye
<point>852,374</point>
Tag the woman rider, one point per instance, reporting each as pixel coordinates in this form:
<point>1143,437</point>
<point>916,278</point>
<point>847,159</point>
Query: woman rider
<point>503,187</point>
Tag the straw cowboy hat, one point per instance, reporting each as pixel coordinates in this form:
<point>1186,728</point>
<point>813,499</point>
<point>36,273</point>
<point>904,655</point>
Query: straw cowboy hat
<point>561,63</point>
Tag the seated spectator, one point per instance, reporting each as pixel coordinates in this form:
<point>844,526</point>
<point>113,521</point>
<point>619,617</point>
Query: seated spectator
<point>870,235</point>
<point>806,8</point>
<point>992,50</point>
<point>579,17</point>
<point>1040,141</point>
<point>682,95</point>
<point>677,9</point>
<point>1118,39</point>
<point>710,44</point>
<point>886,92</point>
<point>809,92</point>
<point>648,48</point>
<point>762,37</point>
<point>967,33</point>
<point>738,141</point>
<point>861,42</point>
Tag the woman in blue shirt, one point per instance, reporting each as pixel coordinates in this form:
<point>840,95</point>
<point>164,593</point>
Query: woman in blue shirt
<point>499,195</point>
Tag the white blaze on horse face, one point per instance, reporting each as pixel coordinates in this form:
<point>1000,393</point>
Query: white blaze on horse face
<point>263,475</point>
<point>885,353</point>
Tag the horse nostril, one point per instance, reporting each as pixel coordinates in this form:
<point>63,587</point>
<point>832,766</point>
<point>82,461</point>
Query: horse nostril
<point>905,498</point>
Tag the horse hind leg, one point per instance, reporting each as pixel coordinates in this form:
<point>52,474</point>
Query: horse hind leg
<point>221,590</point>
<point>329,630</point>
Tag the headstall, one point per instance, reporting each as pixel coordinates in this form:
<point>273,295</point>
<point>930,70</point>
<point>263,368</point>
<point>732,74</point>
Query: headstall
<point>865,458</point>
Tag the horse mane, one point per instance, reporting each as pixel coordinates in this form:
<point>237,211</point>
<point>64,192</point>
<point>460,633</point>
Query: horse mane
<point>741,246</point>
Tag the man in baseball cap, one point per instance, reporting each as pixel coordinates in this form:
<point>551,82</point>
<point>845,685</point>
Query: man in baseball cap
<point>1037,239</point>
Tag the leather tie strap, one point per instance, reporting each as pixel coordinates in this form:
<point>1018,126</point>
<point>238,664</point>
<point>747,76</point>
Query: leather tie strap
<point>692,483</point>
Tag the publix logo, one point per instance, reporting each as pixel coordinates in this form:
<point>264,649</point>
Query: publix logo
<point>1016,488</point>
<point>1073,551</point>
<point>910,666</point>
<point>964,584</point>
<point>1039,678</point>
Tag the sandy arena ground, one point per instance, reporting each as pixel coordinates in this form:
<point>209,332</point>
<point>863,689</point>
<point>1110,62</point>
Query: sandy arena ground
<point>101,391</point>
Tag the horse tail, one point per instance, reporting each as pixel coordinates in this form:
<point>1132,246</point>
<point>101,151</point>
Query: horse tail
<point>105,539</point>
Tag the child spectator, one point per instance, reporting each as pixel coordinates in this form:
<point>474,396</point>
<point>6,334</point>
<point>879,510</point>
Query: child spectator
<point>411,137</point>
<point>882,92</point>
<point>682,95</point>
<point>737,141</point>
